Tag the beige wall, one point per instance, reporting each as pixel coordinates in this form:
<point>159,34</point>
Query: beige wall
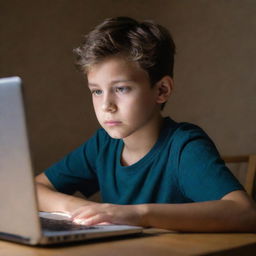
<point>215,78</point>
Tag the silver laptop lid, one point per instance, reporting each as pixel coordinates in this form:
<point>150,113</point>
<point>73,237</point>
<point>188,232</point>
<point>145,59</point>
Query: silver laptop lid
<point>18,207</point>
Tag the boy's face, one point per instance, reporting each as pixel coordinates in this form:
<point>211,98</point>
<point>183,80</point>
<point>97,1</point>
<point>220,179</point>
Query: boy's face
<point>123,99</point>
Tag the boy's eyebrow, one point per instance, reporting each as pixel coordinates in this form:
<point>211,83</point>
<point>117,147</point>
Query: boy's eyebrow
<point>112,82</point>
<point>121,81</point>
<point>92,85</point>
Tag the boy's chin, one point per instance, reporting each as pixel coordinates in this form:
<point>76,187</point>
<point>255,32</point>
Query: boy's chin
<point>114,134</point>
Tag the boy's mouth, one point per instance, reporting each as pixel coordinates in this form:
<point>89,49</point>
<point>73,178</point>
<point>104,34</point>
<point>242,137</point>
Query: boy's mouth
<point>112,123</point>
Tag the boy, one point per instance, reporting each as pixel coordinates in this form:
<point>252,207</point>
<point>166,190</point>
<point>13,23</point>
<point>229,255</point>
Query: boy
<point>150,170</point>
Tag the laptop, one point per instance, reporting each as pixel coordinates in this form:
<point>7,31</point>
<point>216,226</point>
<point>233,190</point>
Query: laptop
<point>20,220</point>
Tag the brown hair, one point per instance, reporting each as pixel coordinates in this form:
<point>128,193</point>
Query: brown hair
<point>148,43</point>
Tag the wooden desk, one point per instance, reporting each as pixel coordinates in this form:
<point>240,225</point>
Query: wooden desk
<point>153,242</point>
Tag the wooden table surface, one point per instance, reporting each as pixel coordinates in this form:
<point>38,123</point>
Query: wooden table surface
<point>151,242</point>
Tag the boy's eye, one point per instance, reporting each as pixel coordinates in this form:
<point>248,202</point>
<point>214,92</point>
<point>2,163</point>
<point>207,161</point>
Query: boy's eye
<point>123,89</point>
<point>96,92</point>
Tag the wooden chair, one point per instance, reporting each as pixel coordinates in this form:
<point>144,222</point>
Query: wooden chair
<point>250,179</point>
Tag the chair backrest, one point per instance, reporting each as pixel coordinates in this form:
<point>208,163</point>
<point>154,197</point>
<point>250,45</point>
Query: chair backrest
<point>250,180</point>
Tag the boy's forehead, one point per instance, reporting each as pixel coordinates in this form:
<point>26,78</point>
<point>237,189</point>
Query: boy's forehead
<point>116,69</point>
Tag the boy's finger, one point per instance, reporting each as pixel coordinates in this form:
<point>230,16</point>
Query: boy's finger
<point>78,211</point>
<point>94,220</point>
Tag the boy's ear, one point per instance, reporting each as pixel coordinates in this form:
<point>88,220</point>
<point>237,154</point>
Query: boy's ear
<point>164,89</point>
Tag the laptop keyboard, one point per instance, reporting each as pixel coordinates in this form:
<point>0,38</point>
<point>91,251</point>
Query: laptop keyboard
<point>63,225</point>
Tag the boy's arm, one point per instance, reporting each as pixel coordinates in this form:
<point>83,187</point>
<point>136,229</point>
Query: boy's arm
<point>234,212</point>
<point>50,200</point>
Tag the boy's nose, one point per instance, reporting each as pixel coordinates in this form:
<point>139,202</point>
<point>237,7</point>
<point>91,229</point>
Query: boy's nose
<point>109,106</point>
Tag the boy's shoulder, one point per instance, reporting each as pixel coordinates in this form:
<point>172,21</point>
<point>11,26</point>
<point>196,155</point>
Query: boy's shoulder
<point>184,131</point>
<point>183,127</point>
<point>190,129</point>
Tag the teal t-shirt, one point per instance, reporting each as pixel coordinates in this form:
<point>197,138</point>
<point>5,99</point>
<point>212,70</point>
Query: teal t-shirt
<point>183,166</point>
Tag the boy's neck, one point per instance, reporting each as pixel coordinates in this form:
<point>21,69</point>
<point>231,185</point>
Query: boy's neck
<point>139,144</point>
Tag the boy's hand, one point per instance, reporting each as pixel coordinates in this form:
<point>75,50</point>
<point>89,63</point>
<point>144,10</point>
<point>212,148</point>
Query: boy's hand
<point>97,213</point>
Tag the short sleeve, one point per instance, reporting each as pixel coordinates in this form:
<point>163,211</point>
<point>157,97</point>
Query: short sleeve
<point>202,174</point>
<point>77,170</point>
